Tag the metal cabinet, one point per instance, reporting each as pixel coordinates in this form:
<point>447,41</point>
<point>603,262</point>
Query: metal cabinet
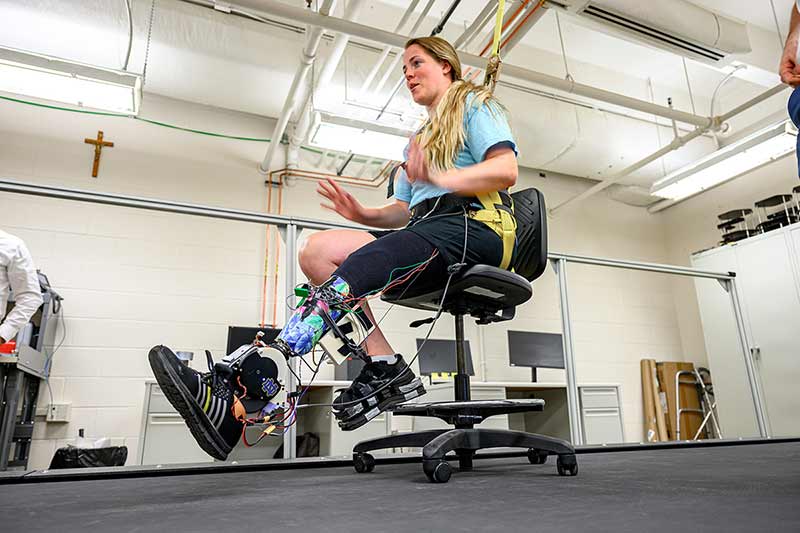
<point>601,415</point>
<point>165,438</point>
<point>320,421</point>
<point>768,276</point>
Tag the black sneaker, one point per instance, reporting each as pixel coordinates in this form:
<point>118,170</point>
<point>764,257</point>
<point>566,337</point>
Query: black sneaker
<point>205,401</point>
<point>358,404</point>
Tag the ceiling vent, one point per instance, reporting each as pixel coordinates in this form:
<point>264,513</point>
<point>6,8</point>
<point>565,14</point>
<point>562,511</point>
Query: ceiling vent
<point>677,26</point>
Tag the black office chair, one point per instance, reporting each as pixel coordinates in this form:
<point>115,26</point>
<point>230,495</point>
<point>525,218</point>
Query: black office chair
<point>490,295</point>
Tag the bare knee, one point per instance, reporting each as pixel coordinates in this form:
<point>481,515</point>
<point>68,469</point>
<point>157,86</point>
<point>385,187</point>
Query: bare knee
<point>316,259</point>
<point>323,252</point>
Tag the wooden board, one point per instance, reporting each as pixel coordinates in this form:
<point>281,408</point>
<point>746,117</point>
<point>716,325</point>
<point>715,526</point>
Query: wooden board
<point>648,405</point>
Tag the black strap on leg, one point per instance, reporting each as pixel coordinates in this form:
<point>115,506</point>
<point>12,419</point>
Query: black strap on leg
<point>348,347</point>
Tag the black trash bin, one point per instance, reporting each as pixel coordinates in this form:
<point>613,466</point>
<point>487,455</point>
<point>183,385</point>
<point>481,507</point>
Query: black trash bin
<point>73,457</point>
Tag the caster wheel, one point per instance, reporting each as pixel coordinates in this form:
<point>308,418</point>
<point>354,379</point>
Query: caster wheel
<point>363,462</point>
<point>537,457</point>
<point>437,471</point>
<point>567,465</point>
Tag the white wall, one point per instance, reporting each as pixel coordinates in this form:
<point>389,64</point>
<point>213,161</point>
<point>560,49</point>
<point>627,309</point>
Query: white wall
<point>133,279</point>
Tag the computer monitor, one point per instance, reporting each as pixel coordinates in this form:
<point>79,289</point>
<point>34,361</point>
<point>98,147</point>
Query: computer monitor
<point>349,369</point>
<point>535,350</point>
<point>438,356</point>
<point>239,335</point>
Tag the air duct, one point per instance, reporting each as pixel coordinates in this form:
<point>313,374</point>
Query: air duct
<point>677,26</point>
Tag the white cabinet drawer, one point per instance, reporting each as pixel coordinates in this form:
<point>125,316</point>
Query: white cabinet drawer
<point>599,397</point>
<point>602,426</point>
<point>158,401</point>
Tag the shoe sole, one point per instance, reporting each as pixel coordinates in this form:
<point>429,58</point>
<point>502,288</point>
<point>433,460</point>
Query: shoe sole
<point>182,400</point>
<point>359,420</point>
<point>377,401</point>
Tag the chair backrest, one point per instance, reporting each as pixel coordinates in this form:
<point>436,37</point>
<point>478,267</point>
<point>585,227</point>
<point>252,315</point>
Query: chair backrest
<point>530,260</point>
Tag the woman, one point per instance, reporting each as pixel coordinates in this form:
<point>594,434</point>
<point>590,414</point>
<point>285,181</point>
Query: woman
<point>464,149</point>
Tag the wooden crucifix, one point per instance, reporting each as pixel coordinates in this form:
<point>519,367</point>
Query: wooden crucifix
<point>98,143</point>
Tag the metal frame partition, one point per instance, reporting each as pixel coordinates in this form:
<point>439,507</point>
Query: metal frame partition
<point>726,279</point>
<point>290,228</point>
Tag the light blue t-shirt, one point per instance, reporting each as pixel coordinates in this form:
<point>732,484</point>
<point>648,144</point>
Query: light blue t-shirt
<point>484,127</point>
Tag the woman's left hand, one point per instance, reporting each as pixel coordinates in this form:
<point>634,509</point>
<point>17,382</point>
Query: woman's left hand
<point>416,166</point>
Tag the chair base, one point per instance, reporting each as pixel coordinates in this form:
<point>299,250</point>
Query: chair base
<point>465,442</point>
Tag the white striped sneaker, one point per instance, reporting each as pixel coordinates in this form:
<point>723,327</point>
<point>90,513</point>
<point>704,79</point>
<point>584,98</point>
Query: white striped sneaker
<point>205,401</point>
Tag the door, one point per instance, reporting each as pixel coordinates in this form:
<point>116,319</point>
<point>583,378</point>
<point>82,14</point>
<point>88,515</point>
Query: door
<point>769,289</point>
<point>724,351</point>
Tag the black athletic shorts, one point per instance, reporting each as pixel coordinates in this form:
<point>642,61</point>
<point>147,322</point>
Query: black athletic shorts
<point>395,252</point>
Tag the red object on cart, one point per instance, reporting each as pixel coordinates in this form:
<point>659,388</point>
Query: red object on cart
<point>9,347</point>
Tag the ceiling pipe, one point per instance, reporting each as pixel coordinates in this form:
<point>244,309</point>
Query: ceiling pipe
<point>386,50</point>
<point>399,57</point>
<point>130,34</point>
<point>591,191</point>
<point>532,15</point>
<point>529,13</point>
<point>674,145</point>
<point>362,31</point>
<point>304,122</point>
<point>401,81</point>
<point>446,17</point>
<point>508,25</point>
<point>313,38</point>
<point>477,25</point>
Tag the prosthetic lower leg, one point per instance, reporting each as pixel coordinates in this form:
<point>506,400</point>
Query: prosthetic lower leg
<point>330,308</point>
<point>317,314</point>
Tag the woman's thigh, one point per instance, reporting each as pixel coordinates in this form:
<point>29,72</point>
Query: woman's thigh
<point>324,251</point>
<point>392,258</point>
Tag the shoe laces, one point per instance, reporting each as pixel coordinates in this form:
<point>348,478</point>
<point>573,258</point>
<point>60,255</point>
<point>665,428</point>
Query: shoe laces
<point>211,377</point>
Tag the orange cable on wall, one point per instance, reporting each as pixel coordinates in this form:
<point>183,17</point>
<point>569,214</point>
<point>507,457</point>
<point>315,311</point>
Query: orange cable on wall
<point>265,280</point>
<point>277,257</point>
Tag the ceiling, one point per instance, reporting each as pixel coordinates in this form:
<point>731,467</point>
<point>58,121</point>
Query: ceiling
<point>196,54</point>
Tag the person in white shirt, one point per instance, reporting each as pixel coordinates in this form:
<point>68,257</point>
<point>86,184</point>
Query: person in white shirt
<point>18,274</point>
<point>789,71</point>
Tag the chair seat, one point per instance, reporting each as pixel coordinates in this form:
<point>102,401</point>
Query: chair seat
<point>478,291</point>
<point>473,412</point>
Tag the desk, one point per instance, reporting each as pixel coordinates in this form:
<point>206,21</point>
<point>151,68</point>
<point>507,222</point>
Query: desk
<point>600,410</point>
<point>319,420</point>
<point>164,437</point>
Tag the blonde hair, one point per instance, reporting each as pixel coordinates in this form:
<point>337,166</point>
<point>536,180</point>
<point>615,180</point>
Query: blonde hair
<point>442,135</point>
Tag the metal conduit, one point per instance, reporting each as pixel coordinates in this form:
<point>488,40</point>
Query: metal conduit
<point>278,9</point>
<point>674,145</point>
<point>313,38</point>
<point>385,52</point>
<point>619,176</point>
<point>290,228</point>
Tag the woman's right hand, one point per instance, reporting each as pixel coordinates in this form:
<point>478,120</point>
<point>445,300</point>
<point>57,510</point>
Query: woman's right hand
<point>341,201</point>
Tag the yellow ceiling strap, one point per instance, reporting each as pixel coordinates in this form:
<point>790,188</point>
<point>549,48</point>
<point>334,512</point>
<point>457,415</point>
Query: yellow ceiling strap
<point>493,66</point>
<point>498,27</point>
<point>501,221</point>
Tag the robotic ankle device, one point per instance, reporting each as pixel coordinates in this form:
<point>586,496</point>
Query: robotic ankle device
<point>252,368</point>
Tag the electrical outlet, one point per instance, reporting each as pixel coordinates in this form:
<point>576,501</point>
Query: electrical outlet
<point>59,412</point>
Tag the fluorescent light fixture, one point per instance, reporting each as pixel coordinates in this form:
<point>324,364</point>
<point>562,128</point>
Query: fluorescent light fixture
<point>50,78</point>
<point>731,161</point>
<point>341,134</point>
